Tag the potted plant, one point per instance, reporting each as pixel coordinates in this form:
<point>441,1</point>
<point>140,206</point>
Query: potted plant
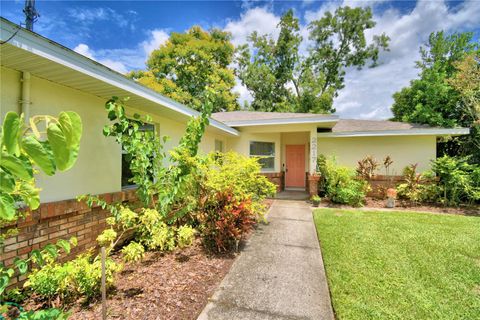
<point>391,196</point>
<point>316,200</point>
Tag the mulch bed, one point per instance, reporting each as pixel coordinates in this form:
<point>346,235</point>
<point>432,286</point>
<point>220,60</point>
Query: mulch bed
<point>164,285</point>
<point>403,205</point>
<point>174,285</point>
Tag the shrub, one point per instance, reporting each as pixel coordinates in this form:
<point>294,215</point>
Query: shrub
<point>133,252</point>
<point>342,185</point>
<point>417,187</point>
<point>458,180</point>
<point>225,220</point>
<point>452,181</point>
<point>367,167</point>
<point>237,174</point>
<point>153,233</point>
<point>185,236</point>
<point>80,277</point>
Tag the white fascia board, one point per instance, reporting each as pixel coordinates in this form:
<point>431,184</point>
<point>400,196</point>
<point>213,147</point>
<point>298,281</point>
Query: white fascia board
<point>269,122</point>
<point>57,53</point>
<point>406,132</point>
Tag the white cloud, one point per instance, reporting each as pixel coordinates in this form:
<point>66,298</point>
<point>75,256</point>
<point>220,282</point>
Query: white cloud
<point>125,59</point>
<point>87,16</point>
<point>157,38</point>
<point>83,49</point>
<point>116,65</point>
<point>258,19</point>
<point>368,92</point>
<point>372,88</point>
<point>244,94</point>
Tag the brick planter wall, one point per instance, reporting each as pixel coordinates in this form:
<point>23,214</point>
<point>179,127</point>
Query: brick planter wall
<point>276,178</point>
<point>380,183</point>
<point>59,220</point>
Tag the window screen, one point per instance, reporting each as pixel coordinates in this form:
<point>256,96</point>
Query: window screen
<point>265,151</point>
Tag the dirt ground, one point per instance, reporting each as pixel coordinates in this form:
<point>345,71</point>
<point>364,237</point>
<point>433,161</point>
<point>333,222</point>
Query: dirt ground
<point>173,285</point>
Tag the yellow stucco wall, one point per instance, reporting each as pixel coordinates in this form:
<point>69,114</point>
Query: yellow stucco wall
<point>403,150</point>
<point>9,91</point>
<point>98,168</point>
<point>242,145</point>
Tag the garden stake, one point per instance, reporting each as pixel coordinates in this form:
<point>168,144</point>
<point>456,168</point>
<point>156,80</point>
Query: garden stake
<point>104,291</point>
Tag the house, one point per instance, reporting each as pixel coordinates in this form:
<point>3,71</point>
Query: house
<point>39,76</point>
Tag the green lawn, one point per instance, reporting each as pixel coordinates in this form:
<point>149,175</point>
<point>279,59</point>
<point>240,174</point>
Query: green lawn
<point>393,265</point>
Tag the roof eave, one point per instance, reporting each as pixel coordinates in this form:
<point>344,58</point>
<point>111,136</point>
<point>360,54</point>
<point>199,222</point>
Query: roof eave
<point>46,48</point>
<point>406,132</point>
<point>270,122</point>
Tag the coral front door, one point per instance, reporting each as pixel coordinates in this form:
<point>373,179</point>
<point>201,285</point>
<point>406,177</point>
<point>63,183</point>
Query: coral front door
<point>295,166</point>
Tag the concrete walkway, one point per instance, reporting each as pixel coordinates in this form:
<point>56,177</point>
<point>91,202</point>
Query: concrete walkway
<point>280,273</point>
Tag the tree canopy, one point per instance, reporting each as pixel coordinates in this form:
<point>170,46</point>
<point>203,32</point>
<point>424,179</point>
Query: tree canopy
<point>282,79</point>
<point>447,91</point>
<point>191,63</point>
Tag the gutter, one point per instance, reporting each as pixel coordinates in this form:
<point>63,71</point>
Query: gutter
<point>405,132</point>
<point>264,122</point>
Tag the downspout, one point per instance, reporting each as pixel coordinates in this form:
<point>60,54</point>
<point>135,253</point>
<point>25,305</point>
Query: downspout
<point>25,100</point>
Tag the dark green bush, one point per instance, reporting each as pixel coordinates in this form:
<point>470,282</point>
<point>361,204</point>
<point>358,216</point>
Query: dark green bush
<point>458,180</point>
<point>341,184</point>
<point>452,181</point>
<point>418,187</point>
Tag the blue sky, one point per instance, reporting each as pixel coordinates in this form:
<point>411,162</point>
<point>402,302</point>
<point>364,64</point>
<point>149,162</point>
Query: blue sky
<point>121,34</point>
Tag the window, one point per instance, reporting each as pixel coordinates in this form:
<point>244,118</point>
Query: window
<point>126,158</point>
<point>266,153</point>
<point>219,146</point>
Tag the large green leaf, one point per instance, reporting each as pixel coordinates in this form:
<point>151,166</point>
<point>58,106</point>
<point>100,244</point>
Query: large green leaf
<point>21,265</point>
<point>37,257</point>
<point>71,125</point>
<point>51,250</point>
<point>39,154</point>
<point>7,207</point>
<point>7,182</point>
<point>64,138</point>
<point>4,281</point>
<point>30,195</point>
<point>65,245</point>
<point>58,143</point>
<point>17,167</point>
<point>11,130</point>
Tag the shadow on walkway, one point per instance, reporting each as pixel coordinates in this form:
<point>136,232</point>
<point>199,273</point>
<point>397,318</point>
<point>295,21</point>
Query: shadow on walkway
<point>280,273</point>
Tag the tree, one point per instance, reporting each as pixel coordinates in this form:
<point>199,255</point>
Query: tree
<point>268,73</point>
<point>188,64</point>
<point>442,96</point>
<point>467,83</point>
<point>281,79</point>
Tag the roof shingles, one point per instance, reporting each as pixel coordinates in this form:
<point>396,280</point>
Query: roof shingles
<point>343,125</point>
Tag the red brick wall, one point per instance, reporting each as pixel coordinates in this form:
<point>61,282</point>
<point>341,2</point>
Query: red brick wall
<point>275,178</point>
<point>380,183</point>
<point>59,220</point>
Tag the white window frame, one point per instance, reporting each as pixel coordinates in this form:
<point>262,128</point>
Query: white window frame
<point>263,156</point>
